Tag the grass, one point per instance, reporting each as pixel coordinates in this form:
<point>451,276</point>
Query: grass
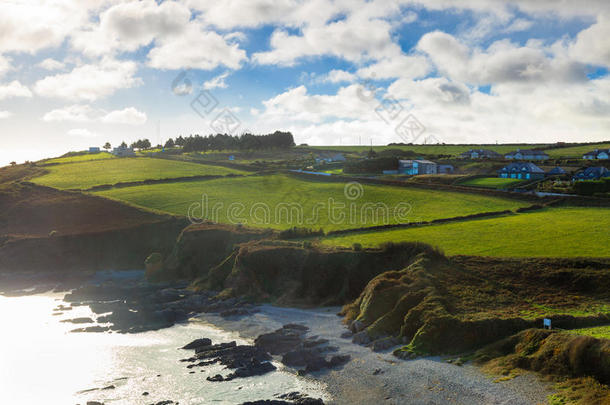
<point>575,151</point>
<point>82,158</point>
<point>490,182</point>
<point>599,332</point>
<point>552,232</point>
<point>452,150</point>
<point>82,175</point>
<point>270,193</point>
<point>586,309</point>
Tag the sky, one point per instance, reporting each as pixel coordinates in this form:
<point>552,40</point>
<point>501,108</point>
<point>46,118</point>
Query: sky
<point>79,73</point>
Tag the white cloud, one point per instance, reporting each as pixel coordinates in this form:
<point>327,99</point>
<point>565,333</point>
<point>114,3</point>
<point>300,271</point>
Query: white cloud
<point>82,132</point>
<point>197,49</point>
<point>592,45</point>
<point>76,113</point>
<point>128,115</point>
<point>86,113</point>
<point>338,76</point>
<point>5,65</point>
<point>89,82</point>
<point>5,114</point>
<point>519,24</point>
<point>14,89</point>
<point>396,66</point>
<point>51,64</point>
<point>216,82</point>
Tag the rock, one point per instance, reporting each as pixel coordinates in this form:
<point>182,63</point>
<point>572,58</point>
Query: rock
<point>78,320</point>
<point>347,334</point>
<point>145,393</point>
<point>339,360</point>
<point>282,340</point>
<point>91,329</point>
<point>361,338</point>
<point>94,403</point>
<point>234,312</point>
<point>384,343</point>
<point>377,371</point>
<point>110,387</point>
<point>356,326</point>
<point>216,378</point>
<point>198,343</point>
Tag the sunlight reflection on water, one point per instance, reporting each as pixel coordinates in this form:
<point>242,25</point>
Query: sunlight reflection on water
<point>42,362</point>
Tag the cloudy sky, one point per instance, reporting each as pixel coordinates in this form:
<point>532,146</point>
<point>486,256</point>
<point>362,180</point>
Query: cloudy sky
<point>75,73</point>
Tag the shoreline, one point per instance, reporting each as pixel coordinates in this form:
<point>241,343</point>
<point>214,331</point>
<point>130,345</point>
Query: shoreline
<point>379,377</point>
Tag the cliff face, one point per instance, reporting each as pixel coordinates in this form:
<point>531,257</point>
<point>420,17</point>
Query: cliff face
<point>44,229</point>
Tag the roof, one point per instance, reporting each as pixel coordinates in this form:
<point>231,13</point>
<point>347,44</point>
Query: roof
<point>410,161</point>
<point>556,170</point>
<point>594,172</point>
<point>597,152</point>
<point>522,167</point>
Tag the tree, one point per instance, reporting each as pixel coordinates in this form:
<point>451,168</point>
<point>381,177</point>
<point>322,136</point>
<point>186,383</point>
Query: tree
<point>107,146</point>
<point>169,143</point>
<point>13,163</point>
<point>123,144</point>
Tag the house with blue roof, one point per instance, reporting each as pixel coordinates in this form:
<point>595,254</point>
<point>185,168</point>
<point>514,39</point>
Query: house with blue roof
<point>521,170</point>
<point>592,173</point>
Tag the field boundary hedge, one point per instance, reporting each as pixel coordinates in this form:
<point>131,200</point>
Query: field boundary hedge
<point>182,179</point>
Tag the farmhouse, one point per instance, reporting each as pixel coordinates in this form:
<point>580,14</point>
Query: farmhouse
<point>556,171</point>
<point>600,154</point>
<point>123,151</point>
<point>480,154</point>
<point>415,167</point>
<point>521,171</point>
<point>526,154</point>
<point>592,173</point>
<point>94,149</point>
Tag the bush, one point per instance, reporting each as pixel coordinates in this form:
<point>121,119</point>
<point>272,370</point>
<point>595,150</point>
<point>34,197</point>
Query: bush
<point>357,247</point>
<point>376,165</point>
<point>295,233</point>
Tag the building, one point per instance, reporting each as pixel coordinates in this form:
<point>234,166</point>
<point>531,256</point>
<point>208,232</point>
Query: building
<point>556,171</point>
<point>329,158</point>
<point>94,149</point>
<point>415,167</point>
<point>600,154</point>
<point>123,151</point>
<point>445,169</point>
<point>592,173</point>
<point>526,171</point>
<point>480,154</point>
<point>526,154</point>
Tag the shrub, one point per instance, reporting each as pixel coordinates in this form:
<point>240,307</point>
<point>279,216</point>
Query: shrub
<point>295,233</point>
<point>357,247</point>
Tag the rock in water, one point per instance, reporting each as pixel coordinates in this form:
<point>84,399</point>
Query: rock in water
<point>198,343</point>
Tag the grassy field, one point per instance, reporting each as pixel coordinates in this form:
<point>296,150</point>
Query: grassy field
<point>556,232</point>
<point>313,200</point>
<point>453,150</point>
<point>490,182</point>
<point>600,332</point>
<point>82,158</point>
<point>576,151</point>
<point>82,175</point>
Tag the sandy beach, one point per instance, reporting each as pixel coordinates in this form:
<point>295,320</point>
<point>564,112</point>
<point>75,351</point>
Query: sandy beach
<point>372,377</point>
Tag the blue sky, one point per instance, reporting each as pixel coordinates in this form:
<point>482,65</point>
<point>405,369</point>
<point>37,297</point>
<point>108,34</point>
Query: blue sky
<point>78,73</point>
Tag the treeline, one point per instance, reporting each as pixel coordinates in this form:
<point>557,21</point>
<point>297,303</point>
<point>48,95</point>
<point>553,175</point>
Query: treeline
<point>219,142</point>
<point>376,165</point>
<point>599,188</point>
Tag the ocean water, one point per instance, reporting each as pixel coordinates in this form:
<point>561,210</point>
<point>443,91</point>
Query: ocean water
<point>41,362</point>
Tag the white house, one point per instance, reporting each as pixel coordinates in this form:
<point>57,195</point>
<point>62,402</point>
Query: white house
<point>414,167</point>
<point>123,151</point>
<point>526,154</point>
<point>600,154</point>
<point>94,149</point>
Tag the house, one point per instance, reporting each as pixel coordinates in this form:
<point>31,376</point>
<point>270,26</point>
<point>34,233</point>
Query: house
<point>123,151</point>
<point>526,171</point>
<point>592,173</point>
<point>94,149</point>
<point>445,169</point>
<point>556,171</point>
<point>600,154</point>
<point>526,154</point>
<point>480,154</point>
<point>329,158</point>
<point>415,167</point>
<point>231,157</point>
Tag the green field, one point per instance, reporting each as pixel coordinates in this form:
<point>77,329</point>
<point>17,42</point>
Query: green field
<point>575,151</point>
<point>272,193</point>
<point>490,182</point>
<point>82,158</point>
<point>453,150</point>
<point>600,332</point>
<point>552,232</point>
<point>82,175</point>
